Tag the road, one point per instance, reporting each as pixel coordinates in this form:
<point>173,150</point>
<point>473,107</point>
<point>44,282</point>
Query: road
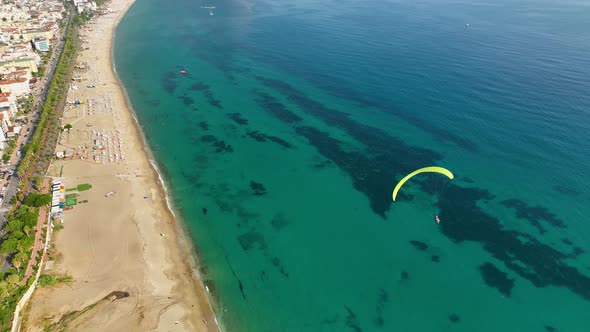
<point>38,102</point>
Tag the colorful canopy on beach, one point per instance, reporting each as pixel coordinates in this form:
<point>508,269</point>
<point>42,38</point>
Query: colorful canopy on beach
<point>431,169</point>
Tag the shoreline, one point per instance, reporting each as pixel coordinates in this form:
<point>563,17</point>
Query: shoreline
<point>182,235</point>
<point>165,289</point>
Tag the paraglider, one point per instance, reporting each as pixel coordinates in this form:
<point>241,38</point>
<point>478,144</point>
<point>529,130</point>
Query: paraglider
<point>431,169</point>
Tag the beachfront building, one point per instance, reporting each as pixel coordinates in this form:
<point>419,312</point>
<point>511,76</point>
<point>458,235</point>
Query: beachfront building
<point>58,198</point>
<point>85,5</point>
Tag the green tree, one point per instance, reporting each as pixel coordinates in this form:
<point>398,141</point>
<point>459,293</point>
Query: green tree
<point>12,279</point>
<point>5,157</point>
<point>17,235</point>
<point>14,225</point>
<point>27,230</point>
<point>9,246</point>
<point>3,288</point>
<point>37,200</point>
<point>24,244</point>
<point>18,260</point>
<point>68,126</point>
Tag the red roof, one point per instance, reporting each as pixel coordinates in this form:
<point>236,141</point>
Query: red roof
<point>18,80</point>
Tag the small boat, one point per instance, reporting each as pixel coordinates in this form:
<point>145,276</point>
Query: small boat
<point>437,219</point>
<point>183,72</point>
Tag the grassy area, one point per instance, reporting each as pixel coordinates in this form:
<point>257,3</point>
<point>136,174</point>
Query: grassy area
<point>47,280</point>
<point>84,186</point>
<point>80,187</point>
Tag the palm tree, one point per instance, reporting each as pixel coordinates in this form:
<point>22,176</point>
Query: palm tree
<point>18,260</point>
<point>13,279</point>
<point>3,288</point>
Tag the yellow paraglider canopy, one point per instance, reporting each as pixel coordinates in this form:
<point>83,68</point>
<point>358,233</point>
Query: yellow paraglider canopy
<point>431,169</point>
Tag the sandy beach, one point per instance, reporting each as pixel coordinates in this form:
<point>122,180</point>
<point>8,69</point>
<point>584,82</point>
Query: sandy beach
<point>129,266</point>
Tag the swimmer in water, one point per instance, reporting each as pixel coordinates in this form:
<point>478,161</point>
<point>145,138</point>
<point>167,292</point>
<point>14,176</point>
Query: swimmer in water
<point>437,219</point>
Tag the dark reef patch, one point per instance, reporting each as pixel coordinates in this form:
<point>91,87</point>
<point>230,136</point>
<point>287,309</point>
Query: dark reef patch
<point>404,275</point>
<point>322,164</point>
<point>251,240</point>
<point>260,137</point>
<point>533,214</point>
<point>186,100</point>
<point>279,222</point>
<point>237,118</point>
<point>385,157</point>
<point>550,328</point>
<point>351,320</point>
<point>211,100</point>
<point>567,241</point>
<point>219,145</point>
<point>204,210</point>
<point>169,82</point>
<point>419,245</point>
<point>407,115</point>
<point>382,299</point>
<point>258,188</point>
<point>154,103</point>
<point>271,105</point>
<point>276,262</point>
<point>199,86</point>
<point>203,125</point>
<point>522,253</point>
<point>435,258</point>
<point>577,252</point>
<point>367,170</point>
<point>454,318</point>
<point>496,278</point>
<point>330,321</point>
<point>467,180</point>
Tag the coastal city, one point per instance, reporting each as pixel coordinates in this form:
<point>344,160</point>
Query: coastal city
<point>65,131</point>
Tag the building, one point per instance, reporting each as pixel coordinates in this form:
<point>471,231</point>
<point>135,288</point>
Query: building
<point>13,131</point>
<point>19,87</point>
<point>16,82</point>
<point>84,5</point>
<point>8,104</point>
<point>5,121</point>
<point>58,198</point>
<point>41,45</point>
<point>31,34</point>
<point>29,63</point>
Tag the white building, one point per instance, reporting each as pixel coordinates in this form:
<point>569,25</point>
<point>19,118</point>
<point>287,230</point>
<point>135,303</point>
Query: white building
<point>8,103</point>
<point>19,86</point>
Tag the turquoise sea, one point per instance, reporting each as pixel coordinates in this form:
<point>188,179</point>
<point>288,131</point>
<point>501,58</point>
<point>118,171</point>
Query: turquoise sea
<point>281,145</point>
